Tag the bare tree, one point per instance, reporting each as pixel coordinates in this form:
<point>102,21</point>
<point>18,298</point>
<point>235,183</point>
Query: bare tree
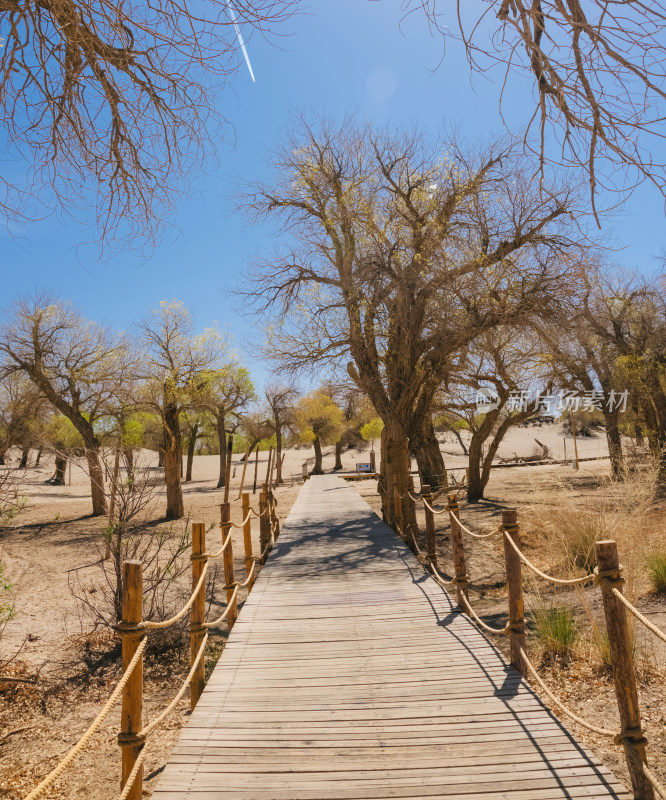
<point>629,315</point>
<point>116,101</point>
<point>501,364</point>
<point>598,68</point>
<point>22,408</point>
<point>281,399</point>
<point>174,361</point>
<point>403,252</point>
<point>225,391</point>
<point>78,365</point>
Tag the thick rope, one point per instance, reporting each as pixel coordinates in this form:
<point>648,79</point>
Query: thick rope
<point>495,631</point>
<point>242,524</point>
<point>249,577</point>
<point>259,513</point>
<point>150,625</point>
<point>427,504</point>
<point>132,776</point>
<point>560,581</point>
<point>471,533</point>
<point>221,618</point>
<point>659,789</point>
<point>438,577</point>
<point>561,706</point>
<point>649,625</point>
<point>225,544</point>
<point>415,546</point>
<point>152,725</point>
<point>99,719</point>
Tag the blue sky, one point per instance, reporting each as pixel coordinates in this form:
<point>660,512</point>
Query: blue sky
<point>343,55</point>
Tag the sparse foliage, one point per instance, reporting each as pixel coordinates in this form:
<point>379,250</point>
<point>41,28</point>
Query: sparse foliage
<point>77,365</point>
<point>173,366</point>
<point>116,104</point>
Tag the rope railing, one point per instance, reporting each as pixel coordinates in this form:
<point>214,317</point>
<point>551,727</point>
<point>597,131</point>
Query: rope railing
<point>494,631</point>
<point>55,773</point>
<point>226,613</point>
<point>659,788</point>
<point>133,630</point>
<point>607,575</point>
<point>472,533</point>
<point>143,734</point>
<point>560,704</point>
<point>434,510</point>
<point>637,614</point>
<point>212,556</point>
<point>167,623</point>
<point>550,578</point>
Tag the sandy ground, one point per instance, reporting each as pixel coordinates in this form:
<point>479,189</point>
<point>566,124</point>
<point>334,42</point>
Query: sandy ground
<point>55,543</point>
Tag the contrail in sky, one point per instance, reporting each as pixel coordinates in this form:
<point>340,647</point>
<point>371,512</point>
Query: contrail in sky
<point>240,40</point>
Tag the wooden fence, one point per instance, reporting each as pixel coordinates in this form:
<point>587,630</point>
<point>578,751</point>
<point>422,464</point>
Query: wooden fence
<point>134,631</point>
<point>607,576</point>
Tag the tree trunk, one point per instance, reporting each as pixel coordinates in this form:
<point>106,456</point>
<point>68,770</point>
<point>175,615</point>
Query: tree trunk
<point>96,481</point>
<point>128,458</point>
<point>160,457</point>
<point>172,462</point>
<point>278,453</point>
<point>25,453</point>
<point>456,433</point>
<point>338,454</point>
<point>60,470</point>
<point>425,448</point>
<point>317,469</point>
<point>192,443</point>
<point>222,439</point>
<point>475,487</point>
<point>39,457</point>
<point>614,438</point>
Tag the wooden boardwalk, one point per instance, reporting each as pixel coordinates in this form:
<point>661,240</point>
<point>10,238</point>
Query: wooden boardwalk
<point>350,674</point>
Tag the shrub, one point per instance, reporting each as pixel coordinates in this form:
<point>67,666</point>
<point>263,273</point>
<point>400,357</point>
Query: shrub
<point>656,564</point>
<point>556,630</point>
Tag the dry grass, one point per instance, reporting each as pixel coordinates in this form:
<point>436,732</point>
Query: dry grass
<point>565,525</point>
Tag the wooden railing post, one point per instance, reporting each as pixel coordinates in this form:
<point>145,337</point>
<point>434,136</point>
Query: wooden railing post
<point>264,521</point>
<point>410,515</point>
<point>398,522</point>
<point>431,542</point>
<point>620,644</point>
<point>247,539</point>
<point>228,557</point>
<point>459,565</point>
<point>198,612</point>
<point>514,582</point>
<point>242,483</point>
<point>227,481</point>
<point>131,720</point>
<point>269,465</point>
<point>275,520</point>
<point>256,469</point>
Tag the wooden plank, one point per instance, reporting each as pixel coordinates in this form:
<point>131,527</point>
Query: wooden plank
<point>350,674</point>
